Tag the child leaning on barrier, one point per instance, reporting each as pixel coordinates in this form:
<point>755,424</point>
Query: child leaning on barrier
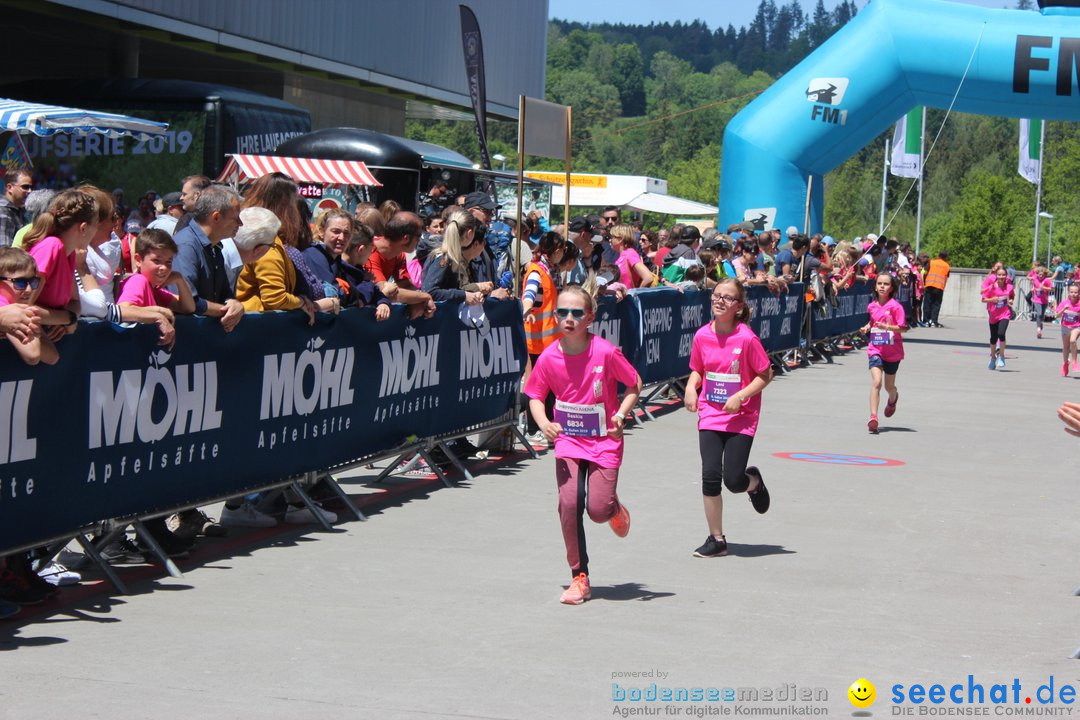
<point>154,253</point>
<point>19,285</point>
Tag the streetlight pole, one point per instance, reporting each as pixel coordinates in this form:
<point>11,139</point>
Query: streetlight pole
<point>1050,241</point>
<point>501,158</point>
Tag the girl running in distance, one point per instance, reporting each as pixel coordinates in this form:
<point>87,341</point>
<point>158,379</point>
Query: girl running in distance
<point>1069,312</point>
<point>886,348</point>
<point>587,429</point>
<point>729,363</point>
<point>1041,285</point>
<point>998,295</point>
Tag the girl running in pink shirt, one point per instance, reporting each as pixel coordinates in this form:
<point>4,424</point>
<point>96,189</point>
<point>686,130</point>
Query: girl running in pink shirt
<point>1041,285</point>
<point>998,295</point>
<point>582,370</point>
<point>1069,312</point>
<point>886,348</point>
<point>729,364</point>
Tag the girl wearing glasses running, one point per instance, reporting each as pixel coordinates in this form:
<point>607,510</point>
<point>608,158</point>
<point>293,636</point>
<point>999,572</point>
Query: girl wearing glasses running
<point>582,370</point>
<point>728,371</point>
<point>19,283</point>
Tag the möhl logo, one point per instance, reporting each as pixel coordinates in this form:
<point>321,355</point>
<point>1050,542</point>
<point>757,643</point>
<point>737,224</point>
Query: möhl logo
<point>301,384</point>
<point>16,444</point>
<point>153,402</point>
<point>484,355</point>
<point>409,364</point>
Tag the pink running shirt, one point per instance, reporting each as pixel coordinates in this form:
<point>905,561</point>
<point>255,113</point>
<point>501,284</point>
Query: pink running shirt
<point>628,258</point>
<point>738,353</point>
<point>1070,314</point>
<point>138,291</point>
<point>891,313</point>
<point>999,309</point>
<point>588,379</point>
<point>58,268</point>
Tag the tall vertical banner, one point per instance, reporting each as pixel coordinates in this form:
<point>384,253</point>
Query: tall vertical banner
<point>907,145</point>
<point>1030,167</point>
<point>15,156</point>
<point>474,74</point>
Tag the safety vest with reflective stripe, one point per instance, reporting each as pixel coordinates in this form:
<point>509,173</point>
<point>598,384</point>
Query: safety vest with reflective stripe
<point>937,275</point>
<point>545,329</point>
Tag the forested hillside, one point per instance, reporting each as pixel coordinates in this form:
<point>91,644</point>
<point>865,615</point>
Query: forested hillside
<point>654,100</point>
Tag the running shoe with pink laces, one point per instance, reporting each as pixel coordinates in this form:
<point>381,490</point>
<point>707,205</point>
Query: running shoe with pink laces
<point>578,592</point>
<point>620,522</point>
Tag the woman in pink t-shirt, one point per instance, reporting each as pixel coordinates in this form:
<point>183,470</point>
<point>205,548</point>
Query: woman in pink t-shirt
<point>1069,312</point>
<point>68,224</point>
<point>587,429</point>
<point>632,270</point>
<point>998,296</point>
<point>729,364</point>
<point>886,348</point>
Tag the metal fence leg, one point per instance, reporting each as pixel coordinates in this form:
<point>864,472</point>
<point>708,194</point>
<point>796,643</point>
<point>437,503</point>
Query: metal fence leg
<point>342,496</point>
<point>105,567</point>
<point>435,468</point>
<point>524,441</point>
<point>311,506</point>
<point>393,466</point>
<point>155,548</point>
<point>455,460</point>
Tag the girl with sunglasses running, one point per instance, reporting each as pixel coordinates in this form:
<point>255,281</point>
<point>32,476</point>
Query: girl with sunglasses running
<point>729,364</point>
<point>582,370</point>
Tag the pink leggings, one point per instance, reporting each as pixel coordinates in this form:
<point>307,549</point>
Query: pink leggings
<point>578,480</point>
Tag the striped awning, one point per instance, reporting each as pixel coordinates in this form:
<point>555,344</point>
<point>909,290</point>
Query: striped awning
<point>310,170</point>
<point>51,119</point>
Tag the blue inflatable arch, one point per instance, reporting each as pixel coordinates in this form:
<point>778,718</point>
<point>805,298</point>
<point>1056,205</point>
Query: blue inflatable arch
<point>892,57</point>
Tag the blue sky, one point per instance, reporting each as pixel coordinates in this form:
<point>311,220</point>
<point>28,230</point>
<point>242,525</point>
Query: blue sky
<point>718,13</point>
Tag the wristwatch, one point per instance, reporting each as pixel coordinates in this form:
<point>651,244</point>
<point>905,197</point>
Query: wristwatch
<point>620,415</point>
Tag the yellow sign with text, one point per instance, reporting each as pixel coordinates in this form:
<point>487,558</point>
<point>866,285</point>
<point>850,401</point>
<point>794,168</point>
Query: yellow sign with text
<point>590,181</point>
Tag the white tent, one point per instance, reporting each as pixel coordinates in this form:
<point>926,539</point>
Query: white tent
<point>632,191</point>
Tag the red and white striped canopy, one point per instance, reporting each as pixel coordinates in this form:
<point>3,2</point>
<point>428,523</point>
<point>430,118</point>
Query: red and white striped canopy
<point>310,170</point>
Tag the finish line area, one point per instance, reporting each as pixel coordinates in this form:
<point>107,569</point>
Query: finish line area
<point>444,603</point>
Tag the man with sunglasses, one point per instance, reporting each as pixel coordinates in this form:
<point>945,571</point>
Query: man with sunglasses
<point>17,185</point>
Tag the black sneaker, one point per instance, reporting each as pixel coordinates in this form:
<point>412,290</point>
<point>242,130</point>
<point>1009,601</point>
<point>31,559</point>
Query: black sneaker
<point>712,548</point>
<point>760,497</point>
<point>122,552</point>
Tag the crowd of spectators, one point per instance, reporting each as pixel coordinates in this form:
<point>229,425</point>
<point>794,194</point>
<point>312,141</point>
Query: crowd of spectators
<point>209,250</point>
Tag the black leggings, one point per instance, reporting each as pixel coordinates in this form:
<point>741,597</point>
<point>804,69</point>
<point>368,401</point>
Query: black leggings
<point>723,461</point>
<point>997,330</point>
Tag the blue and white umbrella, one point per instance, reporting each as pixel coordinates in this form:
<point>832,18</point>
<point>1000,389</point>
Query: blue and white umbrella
<point>51,119</point>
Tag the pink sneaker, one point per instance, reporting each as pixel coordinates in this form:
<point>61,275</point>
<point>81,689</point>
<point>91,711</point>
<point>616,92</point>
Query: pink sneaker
<point>620,522</point>
<point>872,425</point>
<point>1038,332</point>
<point>578,592</point>
<point>1064,369</point>
<point>1076,366</point>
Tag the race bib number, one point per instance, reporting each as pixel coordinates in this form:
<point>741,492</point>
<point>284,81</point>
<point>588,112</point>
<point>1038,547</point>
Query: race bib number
<point>580,420</point>
<point>720,386</point>
<point>1070,318</point>
<point>881,337</point>
<point>1001,302</point>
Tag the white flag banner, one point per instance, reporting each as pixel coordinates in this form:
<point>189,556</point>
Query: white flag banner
<point>906,145</point>
<point>1030,150</point>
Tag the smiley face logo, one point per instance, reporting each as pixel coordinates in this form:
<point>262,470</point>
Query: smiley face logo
<point>862,693</point>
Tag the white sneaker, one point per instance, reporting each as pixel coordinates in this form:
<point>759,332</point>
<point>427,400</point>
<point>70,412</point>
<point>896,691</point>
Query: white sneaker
<point>537,439</point>
<point>56,574</point>
<point>303,516</point>
<point>246,516</point>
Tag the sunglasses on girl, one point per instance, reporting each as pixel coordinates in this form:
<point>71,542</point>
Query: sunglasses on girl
<point>21,283</point>
<point>576,313</point>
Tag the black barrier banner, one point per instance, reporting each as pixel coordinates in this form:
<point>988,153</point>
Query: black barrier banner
<point>669,320</point>
<point>122,427</point>
<point>777,318</point>
<point>846,317</point>
<point>620,324</point>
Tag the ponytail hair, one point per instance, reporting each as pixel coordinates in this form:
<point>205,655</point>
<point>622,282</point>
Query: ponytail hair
<point>67,210</point>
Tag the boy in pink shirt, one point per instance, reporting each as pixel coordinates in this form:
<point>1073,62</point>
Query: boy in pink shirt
<point>154,253</point>
<point>19,285</point>
<point>583,370</point>
<point>731,367</point>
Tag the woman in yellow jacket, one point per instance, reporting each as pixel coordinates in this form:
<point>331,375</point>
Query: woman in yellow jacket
<point>270,283</point>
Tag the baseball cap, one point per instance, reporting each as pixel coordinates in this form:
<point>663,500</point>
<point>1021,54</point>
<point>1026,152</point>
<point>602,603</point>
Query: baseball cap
<point>133,226</point>
<point>171,200</point>
<point>690,233</point>
<point>792,230</point>
<point>828,240</point>
<point>581,224</point>
<point>480,200</point>
<point>746,226</point>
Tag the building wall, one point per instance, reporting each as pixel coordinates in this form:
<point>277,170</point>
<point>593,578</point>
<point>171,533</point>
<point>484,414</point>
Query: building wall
<point>408,45</point>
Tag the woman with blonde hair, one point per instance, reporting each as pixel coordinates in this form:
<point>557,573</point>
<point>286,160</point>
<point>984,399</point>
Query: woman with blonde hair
<point>632,269</point>
<point>446,271</point>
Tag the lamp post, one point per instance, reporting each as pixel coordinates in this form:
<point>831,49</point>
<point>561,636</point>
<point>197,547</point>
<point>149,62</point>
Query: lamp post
<point>501,158</point>
<point>1050,241</point>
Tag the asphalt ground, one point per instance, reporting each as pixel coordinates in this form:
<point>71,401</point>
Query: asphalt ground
<point>955,558</point>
